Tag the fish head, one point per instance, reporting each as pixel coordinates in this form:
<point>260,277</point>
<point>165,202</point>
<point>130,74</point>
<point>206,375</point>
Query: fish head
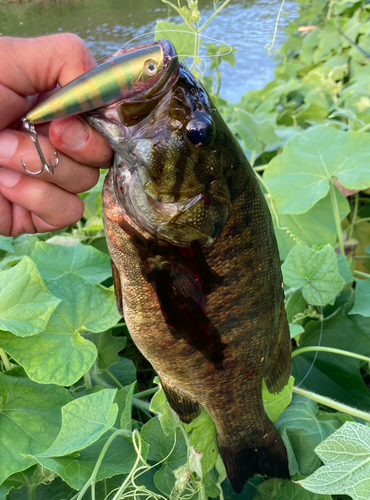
<point>169,173</point>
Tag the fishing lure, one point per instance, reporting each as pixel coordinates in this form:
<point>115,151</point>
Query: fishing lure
<point>124,77</point>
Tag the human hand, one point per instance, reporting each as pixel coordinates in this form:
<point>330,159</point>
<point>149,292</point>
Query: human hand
<point>44,202</point>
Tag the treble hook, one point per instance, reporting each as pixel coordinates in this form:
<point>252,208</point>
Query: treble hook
<point>32,131</point>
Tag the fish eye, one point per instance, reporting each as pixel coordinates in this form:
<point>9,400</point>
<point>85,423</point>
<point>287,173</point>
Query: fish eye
<point>200,130</point>
<point>151,67</point>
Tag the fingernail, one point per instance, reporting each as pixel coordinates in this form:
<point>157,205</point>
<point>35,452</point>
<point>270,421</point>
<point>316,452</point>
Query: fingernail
<point>75,134</point>
<point>8,144</point>
<point>9,178</point>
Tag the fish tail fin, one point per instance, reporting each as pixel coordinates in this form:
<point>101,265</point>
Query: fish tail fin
<point>269,458</point>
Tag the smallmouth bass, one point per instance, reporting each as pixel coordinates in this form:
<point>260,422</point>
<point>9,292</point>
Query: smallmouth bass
<point>196,266</point>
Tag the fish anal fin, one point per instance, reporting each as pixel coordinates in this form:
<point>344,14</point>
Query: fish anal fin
<point>117,288</point>
<point>187,409</point>
<point>280,362</point>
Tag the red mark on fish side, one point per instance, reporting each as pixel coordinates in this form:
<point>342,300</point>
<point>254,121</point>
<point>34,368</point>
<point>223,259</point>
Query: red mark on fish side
<point>250,374</point>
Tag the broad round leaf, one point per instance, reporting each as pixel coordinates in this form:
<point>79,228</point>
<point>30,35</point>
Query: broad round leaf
<point>299,177</point>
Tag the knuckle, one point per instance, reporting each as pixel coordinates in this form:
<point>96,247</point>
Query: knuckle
<point>70,41</point>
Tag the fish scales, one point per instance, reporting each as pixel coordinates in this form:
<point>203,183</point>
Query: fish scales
<point>196,268</point>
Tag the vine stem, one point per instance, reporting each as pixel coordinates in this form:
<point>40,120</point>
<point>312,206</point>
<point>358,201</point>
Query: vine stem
<point>4,357</point>
<point>32,492</point>
<point>354,216</point>
<point>330,349</point>
<point>142,405</point>
<point>179,13</point>
<point>363,129</point>
<point>88,382</point>
<point>121,432</point>
<point>112,377</point>
<point>202,493</point>
<point>270,45</point>
<point>360,273</point>
<point>148,392</point>
<point>334,202</point>
<point>213,16</point>
<point>138,458</point>
<point>365,219</point>
<point>331,403</point>
<point>253,159</point>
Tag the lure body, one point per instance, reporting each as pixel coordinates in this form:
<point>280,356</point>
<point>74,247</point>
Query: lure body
<point>120,78</point>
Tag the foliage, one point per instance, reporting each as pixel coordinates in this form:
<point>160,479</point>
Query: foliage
<point>75,416</point>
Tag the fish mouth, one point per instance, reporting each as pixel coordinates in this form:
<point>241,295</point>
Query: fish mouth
<point>163,220</point>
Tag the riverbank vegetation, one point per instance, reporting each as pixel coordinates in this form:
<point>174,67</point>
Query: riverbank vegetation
<point>82,414</point>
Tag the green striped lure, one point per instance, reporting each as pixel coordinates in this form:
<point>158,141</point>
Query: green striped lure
<point>122,77</point>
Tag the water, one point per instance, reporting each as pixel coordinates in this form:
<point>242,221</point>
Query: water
<point>247,25</point>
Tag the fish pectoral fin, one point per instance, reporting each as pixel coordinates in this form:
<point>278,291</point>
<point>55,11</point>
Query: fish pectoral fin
<point>117,287</point>
<point>186,408</point>
<point>279,362</point>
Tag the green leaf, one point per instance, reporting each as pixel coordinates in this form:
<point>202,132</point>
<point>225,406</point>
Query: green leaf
<point>316,272</point>
<point>25,244</point>
<point>108,348</point>
<point>344,269</point>
<point>54,261</point>
<point>55,490</point>
<point>302,428</point>
<point>26,304</point>
<point>346,455</point>
<point>317,226</point>
<point>257,132</point>
<point>124,371</point>
<point>278,489</point>
<point>334,376</point>
<point>275,404</point>
<point>120,458</point>
<point>203,437</point>
<point>295,305</point>
<point>60,355</point>
<point>295,330</point>
<point>185,43</point>
<point>6,244</point>
<point>29,420</point>
<point>362,299</point>
<point>10,261</point>
<point>87,308</point>
<point>172,450</point>
<point>168,418</point>
<point>31,478</point>
<point>125,406</point>
<point>321,154</point>
<point>84,420</point>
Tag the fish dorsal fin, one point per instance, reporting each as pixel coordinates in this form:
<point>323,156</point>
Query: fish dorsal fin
<point>186,408</point>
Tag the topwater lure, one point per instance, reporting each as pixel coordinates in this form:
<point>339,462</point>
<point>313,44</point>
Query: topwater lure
<point>127,76</point>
